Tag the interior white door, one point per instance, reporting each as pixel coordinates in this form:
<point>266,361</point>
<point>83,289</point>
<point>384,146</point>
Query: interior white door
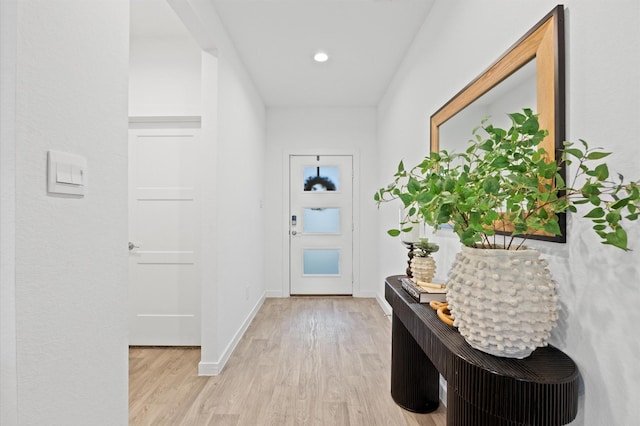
<point>164,279</point>
<point>321,224</point>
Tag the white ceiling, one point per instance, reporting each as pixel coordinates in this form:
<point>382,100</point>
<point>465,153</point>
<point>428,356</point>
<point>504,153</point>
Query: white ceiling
<point>366,41</point>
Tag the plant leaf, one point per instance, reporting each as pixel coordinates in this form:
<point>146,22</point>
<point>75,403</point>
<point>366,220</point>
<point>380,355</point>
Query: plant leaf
<point>486,145</point>
<point>407,199</point>
<point>595,213</point>
<point>601,172</point>
<point>413,186</point>
<point>500,162</point>
<point>552,228</point>
<point>597,155</point>
<point>530,126</point>
<point>620,203</point>
<point>517,117</point>
<point>617,238</point>
<point>491,185</point>
<point>575,152</point>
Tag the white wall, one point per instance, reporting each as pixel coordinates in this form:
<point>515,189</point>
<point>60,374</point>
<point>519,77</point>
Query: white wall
<point>164,77</point>
<point>233,278</point>
<point>317,131</point>
<point>8,361</point>
<point>603,97</point>
<point>70,253</point>
<point>240,191</point>
<point>209,213</point>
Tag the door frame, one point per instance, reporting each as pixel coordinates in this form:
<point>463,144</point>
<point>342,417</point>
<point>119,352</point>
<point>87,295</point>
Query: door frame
<point>284,223</point>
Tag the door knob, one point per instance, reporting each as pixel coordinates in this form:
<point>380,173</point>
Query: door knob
<point>132,246</point>
<point>294,232</point>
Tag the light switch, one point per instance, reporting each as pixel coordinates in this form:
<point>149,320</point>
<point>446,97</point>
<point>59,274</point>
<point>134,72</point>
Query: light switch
<point>67,173</point>
<point>63,173</point>
<point>76,175</point>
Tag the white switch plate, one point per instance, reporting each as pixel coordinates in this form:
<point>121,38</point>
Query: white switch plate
<point>66,173</point>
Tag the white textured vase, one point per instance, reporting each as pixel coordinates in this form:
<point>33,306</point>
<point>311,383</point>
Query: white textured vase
<point>423,268</point>
<point>503,302</point>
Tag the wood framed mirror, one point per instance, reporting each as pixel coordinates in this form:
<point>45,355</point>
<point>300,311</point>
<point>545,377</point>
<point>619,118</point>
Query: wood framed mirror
<point>540,50</point>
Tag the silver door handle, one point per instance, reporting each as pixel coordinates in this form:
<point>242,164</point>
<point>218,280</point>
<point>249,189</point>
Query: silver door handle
<point>132,246</point>
<point>294,232</point>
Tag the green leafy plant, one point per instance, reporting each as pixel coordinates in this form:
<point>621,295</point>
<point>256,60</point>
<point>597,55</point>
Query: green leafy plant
<point>503,186</point>
<point>424,248</point>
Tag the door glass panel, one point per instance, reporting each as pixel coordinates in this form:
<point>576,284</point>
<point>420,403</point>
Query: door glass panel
<point>321,221</point>
<point>321,262</point>
<point>321,178</point>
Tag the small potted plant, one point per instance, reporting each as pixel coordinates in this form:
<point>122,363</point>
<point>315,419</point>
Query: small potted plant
<point>423,266</point>
<point>495,194</point>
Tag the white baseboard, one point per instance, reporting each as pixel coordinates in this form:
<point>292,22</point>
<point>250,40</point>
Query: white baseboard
<point>384,305</point>
<point>215,368</point>
<point>362,294</point>
<point>365,294</point>
<point>208,368</point>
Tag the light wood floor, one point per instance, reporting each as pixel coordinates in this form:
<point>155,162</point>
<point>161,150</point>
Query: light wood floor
<point>302,361</point>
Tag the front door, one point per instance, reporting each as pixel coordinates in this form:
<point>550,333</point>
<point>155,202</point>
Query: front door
<point>321,224</point>
<point>164,279</point>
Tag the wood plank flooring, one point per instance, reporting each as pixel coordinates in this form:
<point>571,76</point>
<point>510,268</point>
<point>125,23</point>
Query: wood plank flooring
<point>302,361</point>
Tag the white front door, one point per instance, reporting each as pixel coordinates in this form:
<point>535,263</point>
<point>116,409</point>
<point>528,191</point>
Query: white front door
<point>321,224</point>
<point>164,278</point>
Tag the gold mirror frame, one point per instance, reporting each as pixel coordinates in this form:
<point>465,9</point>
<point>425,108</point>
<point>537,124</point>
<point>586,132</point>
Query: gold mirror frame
<point>545,43</point>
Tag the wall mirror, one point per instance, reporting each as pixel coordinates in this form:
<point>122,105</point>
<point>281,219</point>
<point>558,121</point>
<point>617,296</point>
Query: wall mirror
<point>529,74</point>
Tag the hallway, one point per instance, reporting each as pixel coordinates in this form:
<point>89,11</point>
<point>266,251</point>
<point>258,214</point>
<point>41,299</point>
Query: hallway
<point>303,361</point>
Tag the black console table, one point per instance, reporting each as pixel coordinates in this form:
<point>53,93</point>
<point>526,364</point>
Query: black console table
<point>482,389</point>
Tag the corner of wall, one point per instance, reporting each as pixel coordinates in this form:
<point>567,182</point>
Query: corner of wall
<point>208,368</point>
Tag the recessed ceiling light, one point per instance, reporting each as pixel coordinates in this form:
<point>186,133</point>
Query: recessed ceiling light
<point>320,56</point>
